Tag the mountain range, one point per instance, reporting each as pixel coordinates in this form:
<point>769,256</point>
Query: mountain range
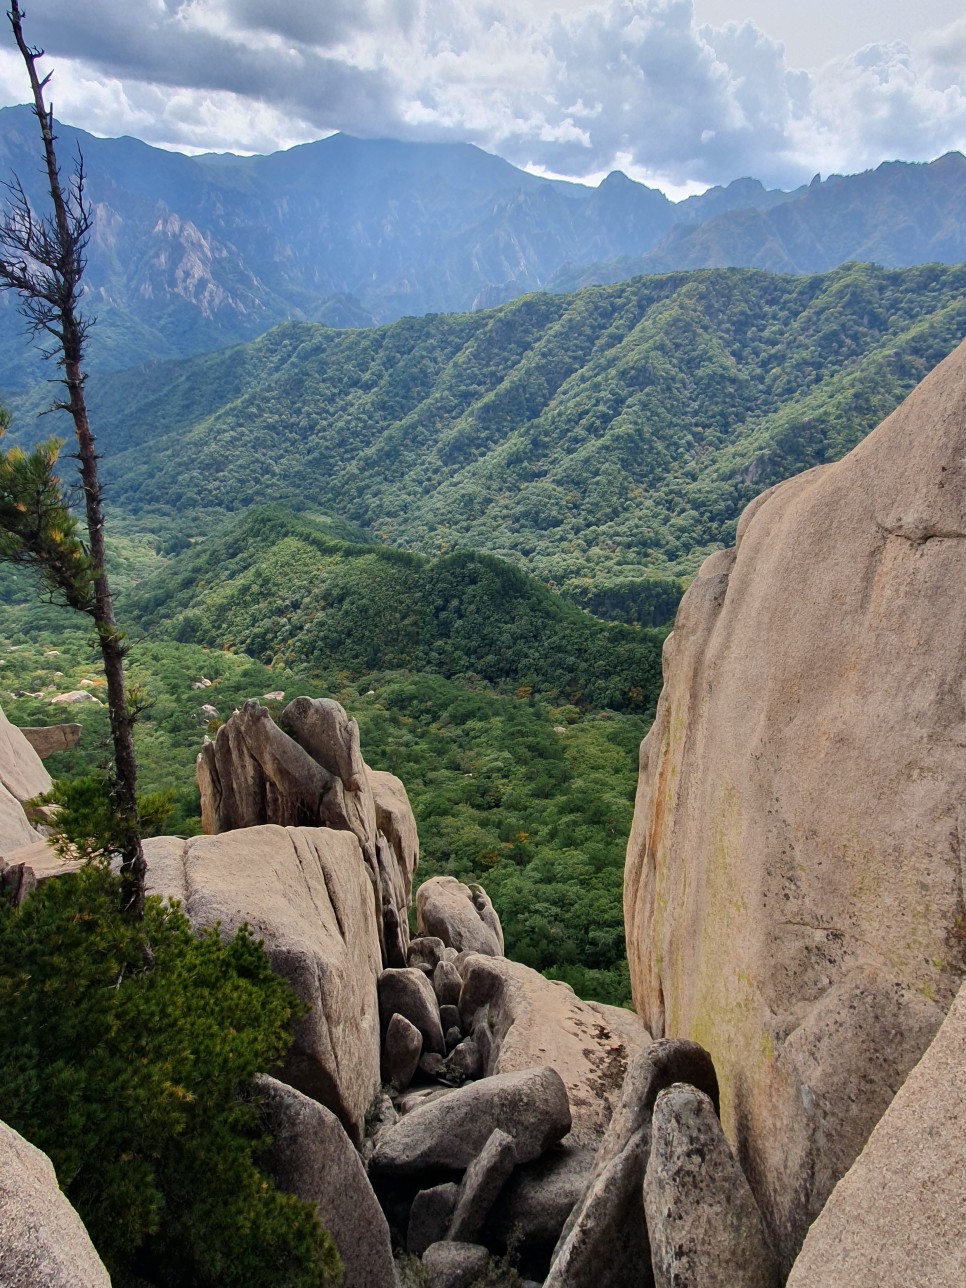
<point>189,254</point>
<point>599,440</point>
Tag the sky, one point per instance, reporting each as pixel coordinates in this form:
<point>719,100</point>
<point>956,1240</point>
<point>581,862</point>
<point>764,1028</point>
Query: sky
<point>680,94</point>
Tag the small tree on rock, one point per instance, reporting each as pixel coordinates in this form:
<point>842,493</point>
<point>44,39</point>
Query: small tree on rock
<point>42,258</point>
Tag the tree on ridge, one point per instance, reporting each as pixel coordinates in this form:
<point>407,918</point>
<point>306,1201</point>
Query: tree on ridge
<point>43,259</point>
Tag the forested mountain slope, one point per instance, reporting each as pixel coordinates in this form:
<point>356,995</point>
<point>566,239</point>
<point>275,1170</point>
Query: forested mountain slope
<point>596,439</point>
<point>278,588</point>
<point>189,254</point>
<point>469,679</point>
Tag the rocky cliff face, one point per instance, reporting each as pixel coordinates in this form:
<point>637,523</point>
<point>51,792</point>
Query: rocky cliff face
<point>794,884</point>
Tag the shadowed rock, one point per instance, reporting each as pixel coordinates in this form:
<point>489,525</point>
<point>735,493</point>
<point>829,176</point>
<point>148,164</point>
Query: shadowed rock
<point>407,991</point>
<point>481,1186</point>
<point>454,1265</point>
<point>312,1157</point>
<point>43,1243</point>
<point>704,1225</point>
<point>401,1049</point>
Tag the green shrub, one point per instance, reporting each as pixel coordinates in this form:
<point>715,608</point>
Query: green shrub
<point>127,1052</point>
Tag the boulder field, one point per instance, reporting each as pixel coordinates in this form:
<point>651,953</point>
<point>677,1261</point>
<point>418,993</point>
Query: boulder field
<point>794,889</point>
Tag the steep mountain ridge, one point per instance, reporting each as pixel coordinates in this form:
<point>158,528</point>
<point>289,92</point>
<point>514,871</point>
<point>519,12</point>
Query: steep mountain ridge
<point>190,254</point>
<point>897,215</point>
<point>602,438</point>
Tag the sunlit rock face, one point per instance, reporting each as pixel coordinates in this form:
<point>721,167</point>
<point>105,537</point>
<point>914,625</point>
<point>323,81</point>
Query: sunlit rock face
<point>794,881</point>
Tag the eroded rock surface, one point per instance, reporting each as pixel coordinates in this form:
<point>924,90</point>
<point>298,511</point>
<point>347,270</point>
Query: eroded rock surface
<point>310,772</point>
<point>605,1240</point>
<point>449,1132</point>
<point>305,891</point>
<point>794,881</point>
<point>43,1243</point>
<point>312,1157</point>
<point>703,1223</point>
<point>897,1219</point>
<point>22,776</point>
<point>460,915</point>
<point>528,1020</point>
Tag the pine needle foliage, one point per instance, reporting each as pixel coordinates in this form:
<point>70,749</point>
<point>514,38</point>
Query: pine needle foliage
<point>135,1080</point>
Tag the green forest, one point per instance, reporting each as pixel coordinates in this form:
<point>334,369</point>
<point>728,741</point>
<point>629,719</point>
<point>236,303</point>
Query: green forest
<point>604,438</point>
<point>428,521</point>
<point>512,717</point>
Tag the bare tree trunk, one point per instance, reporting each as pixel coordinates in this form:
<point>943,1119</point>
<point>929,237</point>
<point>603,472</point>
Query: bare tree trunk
<point>64,321</point>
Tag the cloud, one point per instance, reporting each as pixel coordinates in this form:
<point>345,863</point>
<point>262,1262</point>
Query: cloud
<point>630,82</point>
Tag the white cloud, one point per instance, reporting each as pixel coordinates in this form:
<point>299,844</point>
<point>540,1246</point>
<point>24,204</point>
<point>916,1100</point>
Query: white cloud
<point>630,83</point>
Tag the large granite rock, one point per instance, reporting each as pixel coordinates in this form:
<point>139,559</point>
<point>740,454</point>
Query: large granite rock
<point>703,1223</point>
<point>406,991</point>
<point>460,915</point>
<point>22,771</point>
<point>530,1020</point>
<point>43,1243</point>
<point>310,772</point>
<point>305,891</point>
<point>447,1134</point>
<point>897,1219</point>
<point>312,1157</point>
<point>22,776</point>
<point>47,740</point>
<point>793,891</point>
<point>604,1243</point>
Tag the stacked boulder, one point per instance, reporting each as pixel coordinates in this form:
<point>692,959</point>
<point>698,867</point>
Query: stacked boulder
<point>470,1158</point>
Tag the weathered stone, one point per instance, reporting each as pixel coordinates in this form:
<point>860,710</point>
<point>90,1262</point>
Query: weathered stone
<point>792,891</point>
<point>430,1216</point>
<point>22,776</point>
<point>454,1037</point>
<point>464,1061</point>
<point>605,1238</point>
<point>394,818</point>
<point>704,1225</point>
<point>312,1157</point>
<point>43,1243</point>
<point>447,983</point>
<point>531,1107</point>
<point>425,953</point>
<point>312,773</point>
<point>407,991</point>
<point>454,1265</point>
<point>401,1049</point>
<point>897,1217</point>
<point>48,740</point>
<point>449,1018</point>
<point>461,916</point>
<point>481,1186</point>
<point>527,1020</point>
<point>535,1203</point>
<point>15,829</point>
<point>21,770</point>
<point>432,1064</point>
<point>306,893</point>
<point>253,773</point>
